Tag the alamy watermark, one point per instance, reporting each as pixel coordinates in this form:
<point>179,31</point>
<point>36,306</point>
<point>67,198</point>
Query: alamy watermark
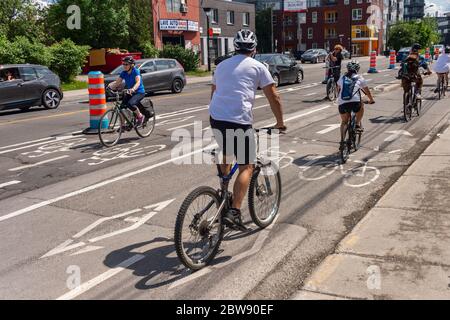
<point>74,21</point>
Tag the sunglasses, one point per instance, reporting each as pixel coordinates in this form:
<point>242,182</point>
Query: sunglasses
<point>125,64</point>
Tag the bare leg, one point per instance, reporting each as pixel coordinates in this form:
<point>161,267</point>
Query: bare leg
<point>344,122</point>
<point>241,184</point>
<point>359,115</point>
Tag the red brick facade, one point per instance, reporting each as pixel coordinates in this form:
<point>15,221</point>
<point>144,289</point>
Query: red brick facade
<point>332,26</point>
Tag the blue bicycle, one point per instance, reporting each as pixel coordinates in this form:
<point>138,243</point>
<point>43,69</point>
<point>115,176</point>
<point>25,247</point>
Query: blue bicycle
<point>199,228</point>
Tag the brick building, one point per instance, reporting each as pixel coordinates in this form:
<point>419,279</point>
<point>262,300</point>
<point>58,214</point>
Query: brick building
<point>327,23</point>
<point>176,22</point>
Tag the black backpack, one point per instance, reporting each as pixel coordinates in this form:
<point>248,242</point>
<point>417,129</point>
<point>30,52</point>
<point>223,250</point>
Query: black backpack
<point>146,108</point>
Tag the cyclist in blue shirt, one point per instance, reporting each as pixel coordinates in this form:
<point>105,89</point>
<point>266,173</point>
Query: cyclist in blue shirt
<point>135,87</point>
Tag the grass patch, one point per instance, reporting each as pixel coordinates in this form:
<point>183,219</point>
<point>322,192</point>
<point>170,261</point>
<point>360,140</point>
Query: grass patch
<point>198,73</point>
<point>74,85</point>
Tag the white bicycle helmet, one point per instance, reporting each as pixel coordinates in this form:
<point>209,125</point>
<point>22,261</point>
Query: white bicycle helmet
<point>245,40</point>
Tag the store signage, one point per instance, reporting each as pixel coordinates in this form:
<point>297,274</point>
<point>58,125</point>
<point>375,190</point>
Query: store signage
<point>294,5</point>
<point>178,25</point>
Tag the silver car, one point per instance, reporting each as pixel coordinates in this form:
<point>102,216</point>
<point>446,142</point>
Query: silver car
<point>158,75</point>
<point>26,85</point>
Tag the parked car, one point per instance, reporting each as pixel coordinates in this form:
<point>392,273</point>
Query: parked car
<point>314,55</point>
<point>157,75</point>
<point>282,68</point>
<point>298,54</point>
<point>402,54</point>
<point>224,57</point>
<point>30,85</point>
<point>346,54</point>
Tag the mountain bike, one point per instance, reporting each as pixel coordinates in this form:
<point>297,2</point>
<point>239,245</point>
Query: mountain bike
<point>331,89</point>
<point>352,138</point>
<point>411,102</point>
<point>119,119</point>
<point>199,228</point>
<point>442,87</point>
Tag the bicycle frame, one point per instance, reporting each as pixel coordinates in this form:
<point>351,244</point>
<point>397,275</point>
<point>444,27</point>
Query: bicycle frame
<point>119,109</point>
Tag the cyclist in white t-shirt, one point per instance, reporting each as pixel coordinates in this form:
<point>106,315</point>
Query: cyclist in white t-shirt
<point>233,92</point>
<point>442,67</point>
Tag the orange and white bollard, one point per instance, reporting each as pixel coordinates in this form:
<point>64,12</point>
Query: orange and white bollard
<point>436,53</point>
<point>427,54</point>
<point>392,59</point>
<point>373,62</point>
<point>97,102</point>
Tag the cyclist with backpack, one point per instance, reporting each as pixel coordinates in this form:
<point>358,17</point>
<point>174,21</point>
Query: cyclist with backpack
<point>349,98</point>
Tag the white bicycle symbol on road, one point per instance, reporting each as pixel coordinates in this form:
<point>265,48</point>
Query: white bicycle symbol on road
<point>356,177</point>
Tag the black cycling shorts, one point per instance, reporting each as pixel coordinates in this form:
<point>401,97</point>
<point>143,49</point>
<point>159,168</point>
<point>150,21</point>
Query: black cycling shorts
<point>349,107</point>
<point>235,139</point>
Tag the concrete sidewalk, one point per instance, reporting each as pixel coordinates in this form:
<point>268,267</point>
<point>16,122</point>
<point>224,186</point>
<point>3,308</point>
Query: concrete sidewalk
<point>401,248</point>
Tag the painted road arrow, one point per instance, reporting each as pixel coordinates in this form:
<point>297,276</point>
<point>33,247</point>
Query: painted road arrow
<point>330,128</point>
<point>396,134</point>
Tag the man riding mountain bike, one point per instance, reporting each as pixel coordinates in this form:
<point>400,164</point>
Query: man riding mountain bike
<point>134,85</point>
<point>233,92</point>
<point>349,98</point>
<point>442,67</point>
<point>410,70</point>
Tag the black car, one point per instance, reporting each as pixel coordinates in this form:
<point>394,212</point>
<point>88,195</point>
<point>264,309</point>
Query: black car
<point>314,55</point>
<point>26,85</point>
<point>282,67</point>
<point>157,75</point>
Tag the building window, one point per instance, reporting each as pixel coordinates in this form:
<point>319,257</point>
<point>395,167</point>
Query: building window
<point>346,2</point>
<point>173,5</point>
<point>359,1</point>
<point>314,17</point>
<point>313,3</point>
<point>357,14</point>
<point>330,33</point>
<point>331,17</point>
<point>246,19</point>
<point>230,17</point>
<point>314,45</point>
<point>215,16</point>
<point>310,33</point>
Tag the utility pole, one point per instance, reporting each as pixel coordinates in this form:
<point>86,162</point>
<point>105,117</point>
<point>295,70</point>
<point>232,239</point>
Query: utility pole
<point>271,29</point>
<point>282,35</point>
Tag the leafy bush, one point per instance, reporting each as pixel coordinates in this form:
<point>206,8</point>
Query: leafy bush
<point>188,58</point>
<point>149,51</point>
<point>67,58</point>
<point>22,50</point>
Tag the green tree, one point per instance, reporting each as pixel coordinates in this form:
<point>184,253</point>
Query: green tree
<point>22,18</point>
<point>104,24</point>
<point>263,22</point>
<point>67,59</point>
<point>404,34</point>
<point>140,26</point>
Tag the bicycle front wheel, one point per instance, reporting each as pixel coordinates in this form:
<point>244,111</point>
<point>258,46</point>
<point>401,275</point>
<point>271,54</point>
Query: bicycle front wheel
<point>331,90</point>
<point>198,228</point>
<point>264,194</point>
<point>110,128</point>
<point>147,127</point>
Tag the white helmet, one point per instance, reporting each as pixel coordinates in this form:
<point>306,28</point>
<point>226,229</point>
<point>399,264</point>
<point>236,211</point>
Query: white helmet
<point>245,40</point>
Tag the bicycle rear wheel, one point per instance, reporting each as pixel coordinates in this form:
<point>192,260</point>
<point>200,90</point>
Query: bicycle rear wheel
<point>407,110</point>
<point>147,127</point>
<point>110,128</point>
<point>197,240</point>
<point>264,194</point>
<point>345,150</point>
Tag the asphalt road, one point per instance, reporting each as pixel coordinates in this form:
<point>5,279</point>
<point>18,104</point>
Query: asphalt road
<point>71,208</point>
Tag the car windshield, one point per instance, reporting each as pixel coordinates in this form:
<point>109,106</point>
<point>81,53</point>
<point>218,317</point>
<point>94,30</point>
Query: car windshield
<point>311,51</point>
<point>119,69</point>
<point>263,57</point>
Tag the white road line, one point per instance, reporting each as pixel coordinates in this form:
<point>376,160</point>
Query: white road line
<point>387,75</point>
<point>101,278</point>
<point>307,113</point>
<point>368,80</point>
<point>93,187</point>
<point>10,183</point>
<point>183,126</point>
<point>38,163</point>
<point>395,151</point>
<point>310,94</point>
<point>26,142</point>
<point>263,106</point>
<point>36,144</point>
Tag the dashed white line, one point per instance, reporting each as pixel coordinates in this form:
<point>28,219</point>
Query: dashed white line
<point>26,142</point>
<point>310,94</point>
<point>36,144</point>
<point>183,126</point>
<point>10,183</point>
<point>38,163</point>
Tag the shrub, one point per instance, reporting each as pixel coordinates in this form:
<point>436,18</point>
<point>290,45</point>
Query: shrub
<point>26,51</point>
<point>149,51</point>
<point>188,58</point>
<point>67,58</point>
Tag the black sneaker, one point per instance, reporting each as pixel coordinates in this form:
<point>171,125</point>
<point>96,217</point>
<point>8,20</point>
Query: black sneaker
<point>436,90</point>
<point>233,219</point>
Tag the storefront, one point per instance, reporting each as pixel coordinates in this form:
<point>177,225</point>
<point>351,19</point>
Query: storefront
<point>179,32</point>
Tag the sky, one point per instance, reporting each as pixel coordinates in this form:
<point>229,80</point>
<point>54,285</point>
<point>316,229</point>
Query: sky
<point>439,5</point>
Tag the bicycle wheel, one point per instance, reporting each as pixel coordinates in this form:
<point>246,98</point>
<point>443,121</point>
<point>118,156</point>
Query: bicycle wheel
<point>264,194</point>
<point>407,112</point>
<point>147,127</point>
<point>110,128</point>
<point>346,149</point>
<point>197,240</point>
<point>331,90</point>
